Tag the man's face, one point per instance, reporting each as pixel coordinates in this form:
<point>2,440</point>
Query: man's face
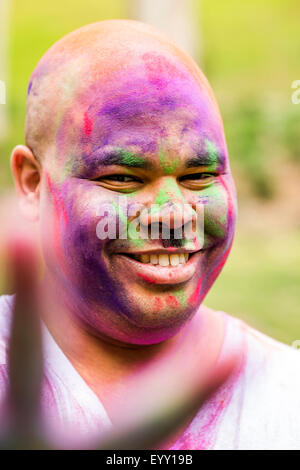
<point>153,136</point>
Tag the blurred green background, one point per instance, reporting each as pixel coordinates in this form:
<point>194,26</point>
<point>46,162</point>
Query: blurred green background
<point>250,53</point>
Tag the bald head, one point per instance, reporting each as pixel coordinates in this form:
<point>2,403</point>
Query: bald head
<point>93,68</point>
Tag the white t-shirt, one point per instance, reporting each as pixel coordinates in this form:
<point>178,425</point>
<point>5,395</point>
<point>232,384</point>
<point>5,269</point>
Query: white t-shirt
<point>258,408</point>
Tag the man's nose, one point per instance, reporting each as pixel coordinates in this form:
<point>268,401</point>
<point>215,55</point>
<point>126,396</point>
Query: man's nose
<point>173,214</point>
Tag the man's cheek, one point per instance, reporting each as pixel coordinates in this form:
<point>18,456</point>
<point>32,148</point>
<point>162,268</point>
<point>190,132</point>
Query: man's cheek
<point>219,214</point>
<point>54,219</point>
<point>216,220</point>
<point>70,228</point>
<point>79,239</point>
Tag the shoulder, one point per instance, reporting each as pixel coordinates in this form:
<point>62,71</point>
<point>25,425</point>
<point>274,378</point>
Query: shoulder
<point>264,355</point>
<point>255,340</point>
<point>262,349</point>
<point>6,306</point>
<point>267,393</point>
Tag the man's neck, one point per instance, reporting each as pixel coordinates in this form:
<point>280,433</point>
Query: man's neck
<point>106,366</point>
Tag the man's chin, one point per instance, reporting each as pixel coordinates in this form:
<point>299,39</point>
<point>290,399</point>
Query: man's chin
<point>165,314</point>
<point>164,307</point>
<point>146,330</point>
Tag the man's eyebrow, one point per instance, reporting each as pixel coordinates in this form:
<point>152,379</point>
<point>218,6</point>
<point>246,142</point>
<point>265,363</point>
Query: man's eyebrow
<point>206,159</point>
<point>124,158</point>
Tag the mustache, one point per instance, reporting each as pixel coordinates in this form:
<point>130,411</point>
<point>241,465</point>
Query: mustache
<point>157,243</point>
<point>172,241</point>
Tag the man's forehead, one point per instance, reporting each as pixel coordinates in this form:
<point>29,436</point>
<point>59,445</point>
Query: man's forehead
<point>149,83</point>
<point>171,114</point>
<point>132,98</point>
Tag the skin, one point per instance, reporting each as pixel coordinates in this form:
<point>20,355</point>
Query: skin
<point>121,89</point>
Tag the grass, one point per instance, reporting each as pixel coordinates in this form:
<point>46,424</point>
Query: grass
<point>260,284</point>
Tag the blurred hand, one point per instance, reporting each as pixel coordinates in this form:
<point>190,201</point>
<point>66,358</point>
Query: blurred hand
<point>144,424</point>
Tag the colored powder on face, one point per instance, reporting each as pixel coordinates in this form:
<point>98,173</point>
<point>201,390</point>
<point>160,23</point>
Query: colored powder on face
<point>138,242</point>
<point>168,165</point>
<point>128,191</point>
<point>202,199</point>
<point>225,220</point>
<point>195,295</point>
<point>218,268</point>
<point>59,209</point>
<point>120,213</point>
<point>172,301</point>
<point>29,88</point>
<point>146,278</point>
<point>212,226</point>
<point>222,219</point>
<point>230,218</point>
<point>158,304</point>
<point>88,124</point>
<point>229,200</point>
<point>212,150</point>
<point>158,66</point>
<point>58,203</point>
<point>162,197</point>
<point>181,296</point>
<point>67,168</point>
<point>168,192</point>
<point>130,159</point>
<point>217,224</point>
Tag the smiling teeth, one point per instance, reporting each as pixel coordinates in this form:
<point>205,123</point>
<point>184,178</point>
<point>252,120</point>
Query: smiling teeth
<point>154,259</point>
<point>164,259</point>
<point>174,260</point>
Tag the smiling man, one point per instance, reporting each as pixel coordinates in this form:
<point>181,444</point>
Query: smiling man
<point>116,112</point>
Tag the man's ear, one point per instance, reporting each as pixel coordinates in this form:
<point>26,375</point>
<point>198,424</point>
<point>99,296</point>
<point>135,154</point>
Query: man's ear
<point>26,171</point>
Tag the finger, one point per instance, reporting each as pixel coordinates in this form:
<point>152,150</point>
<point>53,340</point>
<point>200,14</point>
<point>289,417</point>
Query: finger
<point>25,351</point>
<point>156,413</point>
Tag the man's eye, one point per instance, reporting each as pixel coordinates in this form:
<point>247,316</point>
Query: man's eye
<point>119,178</point>
<point>198,176</point>
<point>198,180</point>
<point>122,183</point>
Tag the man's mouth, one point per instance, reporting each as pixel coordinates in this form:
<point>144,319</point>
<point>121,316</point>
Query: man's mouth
<point>174,259</point>
<point>160,267</point>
